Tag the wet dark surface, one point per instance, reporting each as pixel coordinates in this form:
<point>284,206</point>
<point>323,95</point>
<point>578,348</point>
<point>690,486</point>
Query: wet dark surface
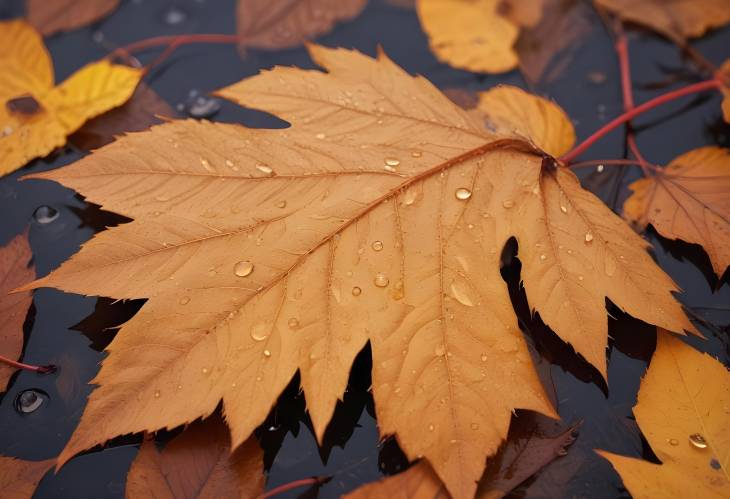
<point>70,330</point>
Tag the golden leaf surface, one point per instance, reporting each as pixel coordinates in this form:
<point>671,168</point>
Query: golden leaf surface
<point>197,464</point>
<point>683,408</point>
<point>19,478</point>
<point>14,271</point>
<point>276,25</point>
<point>35,116</point>
<point>53,16</point>
<point>688,200</point>
<point>417,482</point>
<point>724,75</point>
<point>471,35</point>
<point>379,215</point>
<point>511,109</point>
<point>676,19</point>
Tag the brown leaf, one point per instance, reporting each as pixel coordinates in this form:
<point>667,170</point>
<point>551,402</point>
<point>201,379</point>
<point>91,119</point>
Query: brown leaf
<point>724,75</point>
<point>417,482</point>
<point>539,48</point>
<point>276,25</point>
<point>688,200</point>
<point>683,408</point>
<point>527,451</point>
<point>14,271</point>
<point>52,16</point>
<point>197,464</point>
<point>140,112</point>
<point>676,19</point>
<point>19,478</point>
<point>379,216</point>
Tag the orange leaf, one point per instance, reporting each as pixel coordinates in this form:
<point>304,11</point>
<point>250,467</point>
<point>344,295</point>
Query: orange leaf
<point>19,479</point>
<point>724,75</point>
<point>197,464</point>
<point>688,200</point>
<point>14,271</point>
<point>676,19</point>
<point>52,16</point>
<point>276,25</point>
<point>35,116</point>
<point>683,408</point>
<point>379,216</point>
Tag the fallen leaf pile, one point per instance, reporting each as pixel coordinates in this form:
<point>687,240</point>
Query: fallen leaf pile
<point>36,117</point>
<point>683,409</point>
<point>376,220</point>
<point>266,251</point>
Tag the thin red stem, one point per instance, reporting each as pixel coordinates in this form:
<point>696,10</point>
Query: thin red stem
<point>27,367</point>
<point>637,111</point>
<point>173,41</point>
<point>292,485</point>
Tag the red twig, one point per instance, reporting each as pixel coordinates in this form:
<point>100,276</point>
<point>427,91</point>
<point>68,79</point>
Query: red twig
<point>28,367</point>
<point>315,480</point>
<point>637,111</point>
<point>172,41</point>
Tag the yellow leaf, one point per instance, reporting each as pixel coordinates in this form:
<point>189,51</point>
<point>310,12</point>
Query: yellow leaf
<point>379,216</point>
<point>683,407</point>
<point>676,19</point>
<point>510,109</point>
<point>35,116</point>
<point>471,35</point>
<point>418,481</point>
<point>19,478</point>
<point>688,200</point>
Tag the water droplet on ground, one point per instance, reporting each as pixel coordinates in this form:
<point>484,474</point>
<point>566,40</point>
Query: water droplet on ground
<point>172,16</point>
<point>199,105</point>
<point>45,214</point>
<point>29,401</point>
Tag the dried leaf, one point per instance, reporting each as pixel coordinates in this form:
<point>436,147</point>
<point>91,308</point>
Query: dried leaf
<point>724,75</point>
<point>511,109</point>
<point>197,464</point>
<point>525,453</point>
<point>267,251</point>
<point>418,481</point>
<point>57,111</point>
<point>276,25</point>
<point>14,271</point>
<point>471,35</point>
<point>522,13</point>
<point>683,407</point>
<point>140,112</point>
<point>19,479</point>
<point>688,200</point>
<point>676,19</point>
<point>538,48</point>
<point>52,16</point>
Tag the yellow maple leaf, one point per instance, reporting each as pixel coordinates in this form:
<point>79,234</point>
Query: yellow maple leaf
<point>682,411</point>
<point>35,116</point>
<point>688,200</point>
<point>379,216</point>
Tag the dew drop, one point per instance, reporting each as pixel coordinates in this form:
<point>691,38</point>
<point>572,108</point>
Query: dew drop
<point>243,268</point>
<point>356,291</point>
<point>580,278</point>
<point>377,245</point>
<point>589,237</point>
<point>416,154</point>
<point>204,370</point>
<point>184,300</point>
<point>461,295</point>
<point>563,208</point>
<point>392,162</point>
<point>508,203</point>
<point>267,353</point>
<point>543,257</point>
<point>715,464</point>
<point>293,323</point>
<point>260,332</point>
<point>475,426</point>
<point>320,136</point>
<point>266,170</point>
<point>431,427</point>
<point>599,168</point>
<point>174,16</point>
<point>440,351</point>
<point>229,163</point>
<point>698,441</point>
<point>409,197</point>
<point>462,194</point>
<point>673,441</point>
<point>610,265</point>
<point>29,401</point>
<point>483,357</point>
<point>381,280</point>
<point>281,204</point>
<point>45,214</point>
<point>157,394</point>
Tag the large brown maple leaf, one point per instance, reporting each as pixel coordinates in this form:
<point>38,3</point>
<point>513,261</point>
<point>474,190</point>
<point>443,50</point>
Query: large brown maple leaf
<point>379,216</point>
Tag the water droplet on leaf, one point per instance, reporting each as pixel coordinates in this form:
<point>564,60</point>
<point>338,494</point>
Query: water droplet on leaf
<point>356,291</point>
<point>377,245</point>
<point>698,441</point>
<point>243,268</point>
<point>381,280</point>
<point>462,193</point>
<point>508,203</point>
